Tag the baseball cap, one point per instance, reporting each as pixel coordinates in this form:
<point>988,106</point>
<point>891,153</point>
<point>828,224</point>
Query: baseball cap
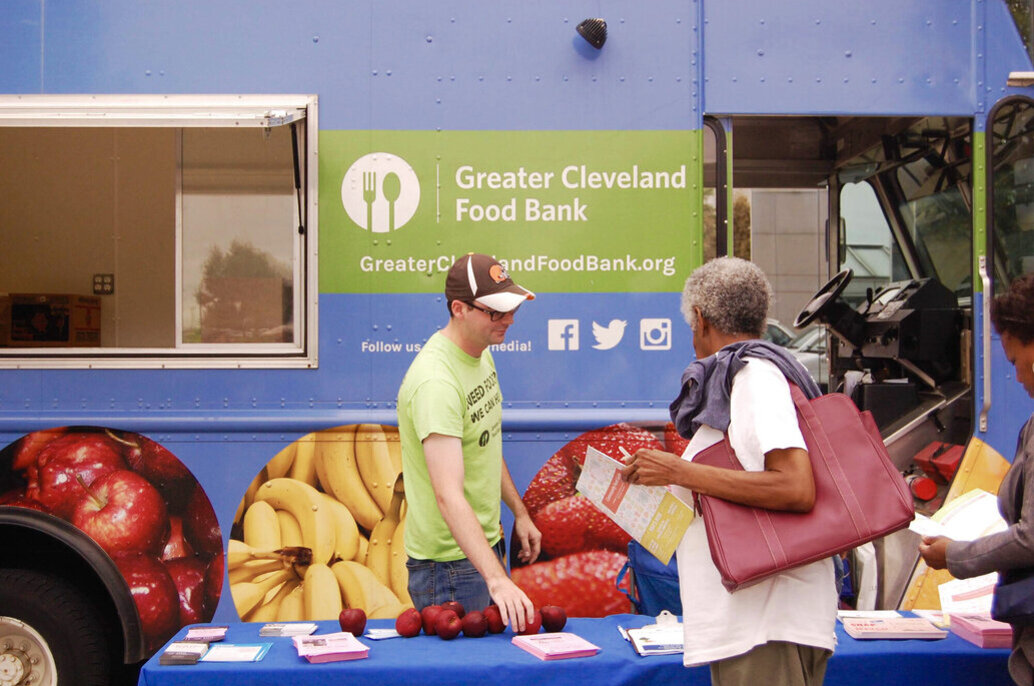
<point>480,278</point>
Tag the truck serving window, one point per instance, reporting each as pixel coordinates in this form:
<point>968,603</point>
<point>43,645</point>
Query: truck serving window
<point>157,231</point>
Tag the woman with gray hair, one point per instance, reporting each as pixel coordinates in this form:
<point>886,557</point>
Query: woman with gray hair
<point>781,630</point>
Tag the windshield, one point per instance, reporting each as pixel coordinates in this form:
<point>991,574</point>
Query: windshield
<point>935,203</point>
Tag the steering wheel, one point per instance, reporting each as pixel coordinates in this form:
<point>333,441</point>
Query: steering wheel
<point>824,300</point>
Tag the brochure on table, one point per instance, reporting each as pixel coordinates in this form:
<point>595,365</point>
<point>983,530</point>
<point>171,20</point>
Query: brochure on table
<point>651,515</point>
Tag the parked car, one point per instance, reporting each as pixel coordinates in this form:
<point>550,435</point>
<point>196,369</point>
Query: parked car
<point>809,347</point>
<point>778,333</point>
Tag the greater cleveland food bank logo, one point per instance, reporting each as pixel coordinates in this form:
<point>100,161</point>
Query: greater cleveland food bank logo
<point>380,192</point>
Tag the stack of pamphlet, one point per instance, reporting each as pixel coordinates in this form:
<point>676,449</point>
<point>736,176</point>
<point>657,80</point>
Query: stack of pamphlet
<point>330,647</point>
<point>556,645</point>
<point>206,634</point>
<point>183,653</point>
<point>980,630</point>
<point>891,627</point>
<point>287,629</point>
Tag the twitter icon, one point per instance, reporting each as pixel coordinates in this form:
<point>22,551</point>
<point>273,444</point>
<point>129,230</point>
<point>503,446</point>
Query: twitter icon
<point>610,335</point>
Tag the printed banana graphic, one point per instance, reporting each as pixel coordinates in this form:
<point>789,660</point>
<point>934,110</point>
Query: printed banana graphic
<point>364,549</point>
<point>321,593</point>
<point>339,475</point>
<point>269,608</point>
<point>307,506</point>
<point>378,558</point>
<point>247,594</point>
<point>391,437</point>
<point>239,552</point>
<point>399,574</point>
<point>376,466</point>
<point>252,569</point>
<point>304,466</point>
<point>281,463</point>
<point>290,530</point>
<point>261,526</point>
<point>360,588</point>
<point>249,495</point>
<point>347,533</point>
<point>292,607</point>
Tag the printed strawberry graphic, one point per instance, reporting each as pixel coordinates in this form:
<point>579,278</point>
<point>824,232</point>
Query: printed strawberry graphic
<point>572,524</point>
<point>673,442</point>
<point>582,583</point>
<point>559,474</point>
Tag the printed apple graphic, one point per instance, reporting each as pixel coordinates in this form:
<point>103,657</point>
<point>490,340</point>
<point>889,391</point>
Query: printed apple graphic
<point>409,623</point>
<point>200,525</point>
<point>533,626</point>
<point>122,511</point>
<point>213,582</point>
<point>447,625</point>
<point>353,619</point>
<point>17,498</point>
<point>188,573</point>
<point>176,546</point>
<point>428,616</point>
<point>474,624</point>
<point>553,618</point>
<point>155,596</point>
<point>454,605</point>
<point>27,450</point>
<point>494,619</point>
<point>64,461</point>
<point>159,466</point>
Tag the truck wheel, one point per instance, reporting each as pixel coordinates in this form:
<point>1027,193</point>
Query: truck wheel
<point>50,631</point>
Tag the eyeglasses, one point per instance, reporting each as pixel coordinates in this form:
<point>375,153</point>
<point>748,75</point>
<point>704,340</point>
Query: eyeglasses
<point>493,314</point>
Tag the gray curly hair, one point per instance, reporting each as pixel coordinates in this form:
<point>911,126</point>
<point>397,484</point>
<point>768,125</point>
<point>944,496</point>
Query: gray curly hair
<point>731,293</point>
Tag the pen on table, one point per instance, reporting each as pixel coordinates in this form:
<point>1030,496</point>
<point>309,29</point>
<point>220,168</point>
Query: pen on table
<point>624,632</point>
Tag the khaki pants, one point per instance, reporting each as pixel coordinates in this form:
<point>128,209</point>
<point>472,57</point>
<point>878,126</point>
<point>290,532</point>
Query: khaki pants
<point>775,663</point>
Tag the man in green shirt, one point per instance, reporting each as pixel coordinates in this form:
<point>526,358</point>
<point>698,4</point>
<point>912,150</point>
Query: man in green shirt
<point>450,424</point>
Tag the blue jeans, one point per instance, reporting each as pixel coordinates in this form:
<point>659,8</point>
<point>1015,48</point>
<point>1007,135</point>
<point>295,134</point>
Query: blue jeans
<point>433,583</point>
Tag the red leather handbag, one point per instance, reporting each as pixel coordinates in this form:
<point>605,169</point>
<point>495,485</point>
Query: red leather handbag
<point>859,496</point>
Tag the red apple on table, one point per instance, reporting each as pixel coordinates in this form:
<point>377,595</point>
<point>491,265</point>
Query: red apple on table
<point>200,525</point>
<point>155,596</point>
<point>67,459</point>
<point>454,605</point>
<point>474,624</point>
<point>494,618</point>
<point>447,625</point>
<point>428,616</point>
<point>409,623</point>
<point>122,511</point>
<point>554,618</point>
<point>188,573</point>
<point>176,546</point>
<point>533,626</point>
<point>353,620</point>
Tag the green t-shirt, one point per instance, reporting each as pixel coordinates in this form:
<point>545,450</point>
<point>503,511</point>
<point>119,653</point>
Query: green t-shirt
<point>448,392</point>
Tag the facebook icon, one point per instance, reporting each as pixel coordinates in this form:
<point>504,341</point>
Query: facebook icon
<point>563,334</point>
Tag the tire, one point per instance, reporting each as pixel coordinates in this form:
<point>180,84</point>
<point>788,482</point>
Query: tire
<point>61,626</point>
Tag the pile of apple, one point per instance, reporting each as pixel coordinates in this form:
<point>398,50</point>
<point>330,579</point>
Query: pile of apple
<point>139,503</point>
<point>448,619</point>
<point>583,550</point>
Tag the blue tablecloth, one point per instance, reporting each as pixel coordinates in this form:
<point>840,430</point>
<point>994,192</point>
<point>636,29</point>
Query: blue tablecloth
<point>429,661</point>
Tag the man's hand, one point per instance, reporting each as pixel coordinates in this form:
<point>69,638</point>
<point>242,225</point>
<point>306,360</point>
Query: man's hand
<point>934,550</point>
<point>514,606</point>
<point>529,537</point>
<point>649,467</point>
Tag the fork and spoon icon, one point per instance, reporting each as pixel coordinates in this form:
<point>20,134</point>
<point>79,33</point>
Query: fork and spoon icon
<point>391,189</point>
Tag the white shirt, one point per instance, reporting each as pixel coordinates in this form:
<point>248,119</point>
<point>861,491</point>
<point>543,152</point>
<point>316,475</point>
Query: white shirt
<point>798,606</point>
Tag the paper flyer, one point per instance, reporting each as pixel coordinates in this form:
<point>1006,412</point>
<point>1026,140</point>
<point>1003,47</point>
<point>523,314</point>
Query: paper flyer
<point>651,515</point>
